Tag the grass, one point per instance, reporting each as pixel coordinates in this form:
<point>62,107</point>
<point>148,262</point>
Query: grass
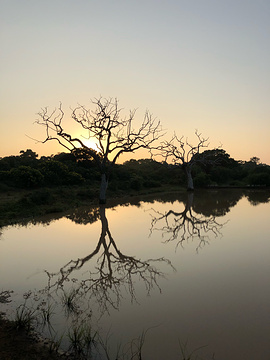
<point>82,340</point>
<point>24,318</point>
<point>55,343</point>
<point>86,343</point>
<point>46,312</point>
<point>69,301</point>
<point>187,354</point>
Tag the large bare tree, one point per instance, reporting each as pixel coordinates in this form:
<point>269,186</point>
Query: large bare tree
<point>114,134</point>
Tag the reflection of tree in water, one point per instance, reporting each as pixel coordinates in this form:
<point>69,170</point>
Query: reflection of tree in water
<point>114,271</point>
<point>219,202</point>
<point>216,202</point>
<point>256,197</point>
<point>181,226</point>
<point>84,216</point>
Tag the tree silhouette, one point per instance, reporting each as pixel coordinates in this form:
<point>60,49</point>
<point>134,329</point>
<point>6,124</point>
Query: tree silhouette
<point>183,153</point>
<point>28,154</point>
<point>114,135</point>
<point>114,271</point>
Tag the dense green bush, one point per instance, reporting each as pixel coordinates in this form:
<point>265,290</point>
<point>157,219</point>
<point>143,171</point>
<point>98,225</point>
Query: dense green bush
<point>73,178</point>
<point>57,173</point>
<point>27,171</point>
<point>136,183</point>
<point>259,179</point>
<point>26,177</point>
<point>202,180</point>
<point>221,175</point>
<point>4,176</point>
<point>54,172</point>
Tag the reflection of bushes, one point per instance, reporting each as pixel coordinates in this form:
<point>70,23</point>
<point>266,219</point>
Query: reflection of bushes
<point>215,202</point>
<point>25,204</point>
<point>256,197</point>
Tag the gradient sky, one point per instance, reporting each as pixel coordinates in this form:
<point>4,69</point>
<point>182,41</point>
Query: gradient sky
<point>195,64</point>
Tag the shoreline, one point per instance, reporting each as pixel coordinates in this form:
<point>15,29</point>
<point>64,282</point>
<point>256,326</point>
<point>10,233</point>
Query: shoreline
<point>23,207</point>
<point>19,344</point>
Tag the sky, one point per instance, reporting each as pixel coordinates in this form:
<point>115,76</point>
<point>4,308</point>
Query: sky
<point>194,64</point>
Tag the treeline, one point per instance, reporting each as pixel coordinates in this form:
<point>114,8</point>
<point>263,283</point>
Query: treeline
<point>27,171</point>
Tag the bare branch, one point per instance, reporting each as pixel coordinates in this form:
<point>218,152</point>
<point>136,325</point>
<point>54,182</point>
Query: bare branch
<point>114,134</point>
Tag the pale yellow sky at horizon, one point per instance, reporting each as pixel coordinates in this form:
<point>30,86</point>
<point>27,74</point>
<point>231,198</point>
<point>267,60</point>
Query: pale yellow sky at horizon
<point>193,64</point>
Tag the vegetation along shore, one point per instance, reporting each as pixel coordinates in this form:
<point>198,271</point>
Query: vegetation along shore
<point>32,186</point>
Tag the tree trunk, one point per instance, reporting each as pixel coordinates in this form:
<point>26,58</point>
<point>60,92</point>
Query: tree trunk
<point>190,186</point>
<point>103,189</point>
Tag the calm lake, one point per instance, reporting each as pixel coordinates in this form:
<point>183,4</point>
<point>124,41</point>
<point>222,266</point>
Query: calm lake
<point>177,273</point>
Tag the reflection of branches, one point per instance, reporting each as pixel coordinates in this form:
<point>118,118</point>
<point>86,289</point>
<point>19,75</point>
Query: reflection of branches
<point>185,225</point>
<point>113,270</point>
<point>5,296</point>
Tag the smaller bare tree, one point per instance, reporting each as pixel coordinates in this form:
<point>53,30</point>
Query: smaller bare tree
<point>181,152</point>
<point>114,134</point>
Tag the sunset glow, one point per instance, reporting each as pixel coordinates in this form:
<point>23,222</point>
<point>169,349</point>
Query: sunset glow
<point>91,144</point>
<point>194,65</point>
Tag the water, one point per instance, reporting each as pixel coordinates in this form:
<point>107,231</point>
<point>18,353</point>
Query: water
<point>184,272</point>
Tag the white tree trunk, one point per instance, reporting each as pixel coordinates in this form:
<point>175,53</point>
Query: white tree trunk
<point>103,189</point>
<point>190,185</point>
